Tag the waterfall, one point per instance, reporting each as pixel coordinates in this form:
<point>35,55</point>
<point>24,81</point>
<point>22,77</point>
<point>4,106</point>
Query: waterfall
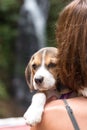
<point>38,20</point>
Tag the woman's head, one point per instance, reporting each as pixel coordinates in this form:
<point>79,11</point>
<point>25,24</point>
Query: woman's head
<point>71,35</point>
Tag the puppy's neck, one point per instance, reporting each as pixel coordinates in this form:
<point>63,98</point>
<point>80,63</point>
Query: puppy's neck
<point>51,93</point>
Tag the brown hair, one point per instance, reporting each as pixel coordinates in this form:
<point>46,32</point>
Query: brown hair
<point>71,35</point>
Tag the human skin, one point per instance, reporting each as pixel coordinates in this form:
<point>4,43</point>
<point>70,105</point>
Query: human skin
<point>55,116</point>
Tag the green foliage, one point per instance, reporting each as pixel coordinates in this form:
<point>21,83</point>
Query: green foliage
<point>6,5</point>
<point>9,13</point>
<point>55,8</point>
<point>8,32</point>
<point>3,91</point>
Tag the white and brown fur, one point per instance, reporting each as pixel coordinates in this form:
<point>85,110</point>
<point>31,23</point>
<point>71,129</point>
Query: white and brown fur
<point>41,75</point>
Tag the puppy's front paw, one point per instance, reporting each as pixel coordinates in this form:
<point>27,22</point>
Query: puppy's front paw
<point>33,116</point>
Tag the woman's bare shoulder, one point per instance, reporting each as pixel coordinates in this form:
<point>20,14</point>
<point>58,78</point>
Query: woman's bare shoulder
<point>55,115</point>
<point>72,101</point>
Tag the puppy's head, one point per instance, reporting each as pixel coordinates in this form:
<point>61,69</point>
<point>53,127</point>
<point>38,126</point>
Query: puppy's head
<point>41,70</point>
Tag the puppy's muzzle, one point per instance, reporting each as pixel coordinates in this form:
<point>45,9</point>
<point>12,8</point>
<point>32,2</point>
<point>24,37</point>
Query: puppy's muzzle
<point>39,80</point>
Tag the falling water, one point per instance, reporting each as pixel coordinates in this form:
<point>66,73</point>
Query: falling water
<point>38,19</point>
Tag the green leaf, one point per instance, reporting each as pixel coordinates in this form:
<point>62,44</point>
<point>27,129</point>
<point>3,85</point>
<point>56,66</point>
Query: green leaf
<point>3,92</point>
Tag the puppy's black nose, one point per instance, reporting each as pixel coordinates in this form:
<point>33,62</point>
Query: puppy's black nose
<point>39,80</point>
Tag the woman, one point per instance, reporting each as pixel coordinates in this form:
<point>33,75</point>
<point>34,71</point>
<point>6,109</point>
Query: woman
<point>71,37</point>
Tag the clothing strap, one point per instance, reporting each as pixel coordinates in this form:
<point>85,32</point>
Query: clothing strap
<point>71,115</point>
<point>66,95</point>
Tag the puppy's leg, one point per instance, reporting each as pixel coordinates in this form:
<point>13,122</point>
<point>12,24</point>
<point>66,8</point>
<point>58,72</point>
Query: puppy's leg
<point>83,92</point>
<point>34,112</point>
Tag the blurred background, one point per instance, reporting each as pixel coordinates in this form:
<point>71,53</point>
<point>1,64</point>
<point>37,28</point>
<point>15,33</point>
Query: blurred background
<point>25,27</point>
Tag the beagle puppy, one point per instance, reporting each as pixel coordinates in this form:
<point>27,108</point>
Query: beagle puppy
<point>41,75</point>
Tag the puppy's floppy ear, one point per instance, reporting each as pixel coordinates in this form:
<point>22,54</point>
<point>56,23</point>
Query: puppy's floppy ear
<point>29,76</point>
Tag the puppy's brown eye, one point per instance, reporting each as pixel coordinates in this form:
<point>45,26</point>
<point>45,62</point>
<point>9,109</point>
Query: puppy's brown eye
<point>51,65</point>
<point>34,66</point>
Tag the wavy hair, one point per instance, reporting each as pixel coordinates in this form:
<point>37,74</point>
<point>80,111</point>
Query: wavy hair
<point>71,35</point>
